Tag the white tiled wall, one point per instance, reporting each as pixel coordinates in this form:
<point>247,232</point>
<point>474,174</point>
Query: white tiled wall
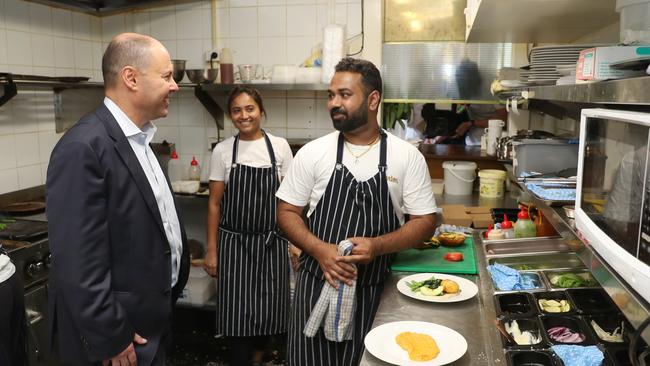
<point>41,40</point>
<point>37,39</point>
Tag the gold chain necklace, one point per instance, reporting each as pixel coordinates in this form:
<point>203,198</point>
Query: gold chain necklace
<point>356,157</point>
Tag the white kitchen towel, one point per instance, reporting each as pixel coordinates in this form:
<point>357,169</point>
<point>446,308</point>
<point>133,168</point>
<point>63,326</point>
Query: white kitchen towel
<point>335,307</point>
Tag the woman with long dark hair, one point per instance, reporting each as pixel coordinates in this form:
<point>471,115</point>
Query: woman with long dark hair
<point>246,252</point>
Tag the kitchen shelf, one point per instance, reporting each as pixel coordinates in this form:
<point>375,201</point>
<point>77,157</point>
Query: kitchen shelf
<point>537,21</point>
<point>635,91</point>
<point>74,99</point>
<point>266,86</point>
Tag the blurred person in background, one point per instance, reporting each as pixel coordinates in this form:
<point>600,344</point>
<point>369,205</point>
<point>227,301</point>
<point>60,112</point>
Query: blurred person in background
<point>469,84</point>
<point>441,125</point>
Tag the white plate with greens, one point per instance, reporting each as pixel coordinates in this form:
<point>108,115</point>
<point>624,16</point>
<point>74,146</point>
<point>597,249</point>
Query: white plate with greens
<point>425,287</point>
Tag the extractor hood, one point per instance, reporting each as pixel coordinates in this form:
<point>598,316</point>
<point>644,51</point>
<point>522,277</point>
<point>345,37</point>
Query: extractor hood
<point>102,7</point>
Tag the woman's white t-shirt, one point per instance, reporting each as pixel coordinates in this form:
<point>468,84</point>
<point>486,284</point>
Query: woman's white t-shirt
<point>407,174</point>
<point>252,153</point>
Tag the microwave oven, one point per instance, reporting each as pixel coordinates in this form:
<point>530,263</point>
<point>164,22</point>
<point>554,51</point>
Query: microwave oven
<point>613,192</point>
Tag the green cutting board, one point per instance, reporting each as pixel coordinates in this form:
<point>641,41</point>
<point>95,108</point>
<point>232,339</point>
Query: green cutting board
<point>432,260</point>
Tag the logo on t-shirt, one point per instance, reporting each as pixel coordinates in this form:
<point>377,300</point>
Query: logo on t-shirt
<point>392,179</point>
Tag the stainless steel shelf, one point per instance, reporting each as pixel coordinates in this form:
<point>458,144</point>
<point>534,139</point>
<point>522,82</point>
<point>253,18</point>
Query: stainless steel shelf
<point>279,87</point>
<point>35,85</point>
<point>44,84</point>
<point>634,91</point>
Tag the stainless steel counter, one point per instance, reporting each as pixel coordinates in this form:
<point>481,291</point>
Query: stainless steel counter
<point>472,318</point>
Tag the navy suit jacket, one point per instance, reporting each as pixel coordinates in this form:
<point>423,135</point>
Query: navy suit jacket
<point>111,262</point>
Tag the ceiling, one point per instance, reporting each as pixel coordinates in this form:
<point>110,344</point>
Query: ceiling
<point>100,7</point>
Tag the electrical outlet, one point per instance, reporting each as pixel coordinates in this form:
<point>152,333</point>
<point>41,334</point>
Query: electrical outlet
<point>211,55</point>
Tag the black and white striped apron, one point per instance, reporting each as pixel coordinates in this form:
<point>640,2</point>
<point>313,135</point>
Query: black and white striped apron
<point>253,265</point>
<point>348,208</point>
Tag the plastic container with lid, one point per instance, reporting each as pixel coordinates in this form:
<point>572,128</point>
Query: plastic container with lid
<point>491,182</point>
<point>635,21</point>
<point>194,172</point>
<point>226,68</point>
<point>524,227</point>
<point>459,177</point>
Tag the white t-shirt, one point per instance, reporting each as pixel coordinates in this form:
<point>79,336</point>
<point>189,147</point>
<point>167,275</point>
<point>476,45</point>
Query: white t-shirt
<point>252,153</point>
<point>407,174</point>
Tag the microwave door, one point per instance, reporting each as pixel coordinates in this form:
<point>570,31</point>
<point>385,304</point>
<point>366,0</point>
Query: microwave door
<point>614,175</point>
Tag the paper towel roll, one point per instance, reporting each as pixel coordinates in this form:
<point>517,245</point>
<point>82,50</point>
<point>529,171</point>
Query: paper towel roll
<point>333,45</point>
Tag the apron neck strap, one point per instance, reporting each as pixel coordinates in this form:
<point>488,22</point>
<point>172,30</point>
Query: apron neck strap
<point>269,147</point>
<point>382,150</point>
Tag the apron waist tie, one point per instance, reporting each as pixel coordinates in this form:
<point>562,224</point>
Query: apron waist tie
<point>270,235</point>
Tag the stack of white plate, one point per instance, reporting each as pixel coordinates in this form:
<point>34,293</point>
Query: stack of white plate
<point>545,61</point>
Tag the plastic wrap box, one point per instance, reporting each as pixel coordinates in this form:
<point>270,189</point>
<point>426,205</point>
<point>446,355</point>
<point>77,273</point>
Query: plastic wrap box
<point>593,63</point>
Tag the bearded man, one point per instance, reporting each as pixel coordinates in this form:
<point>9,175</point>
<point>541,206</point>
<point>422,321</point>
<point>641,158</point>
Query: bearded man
<point>357,183</point>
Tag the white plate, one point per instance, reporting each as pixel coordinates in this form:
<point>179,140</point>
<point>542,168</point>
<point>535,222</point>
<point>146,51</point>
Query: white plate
<point>380,342</point>
<point>468,289</point>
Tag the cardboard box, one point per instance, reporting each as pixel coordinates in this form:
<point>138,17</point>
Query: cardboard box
<point>455,215</point>
<point>593,63</point>
<point>479,210</point>
<point>481,220</point>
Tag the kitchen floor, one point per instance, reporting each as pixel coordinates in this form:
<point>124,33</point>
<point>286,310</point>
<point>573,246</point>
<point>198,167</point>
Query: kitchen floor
<point>195,344</point>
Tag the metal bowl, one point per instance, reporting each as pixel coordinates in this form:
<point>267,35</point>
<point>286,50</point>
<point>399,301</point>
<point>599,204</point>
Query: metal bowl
<point>179,70</point>
<point>200,76</point>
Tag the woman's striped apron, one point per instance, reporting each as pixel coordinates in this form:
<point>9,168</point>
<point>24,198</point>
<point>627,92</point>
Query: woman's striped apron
<point>348,208</point>
<point>253,265</point>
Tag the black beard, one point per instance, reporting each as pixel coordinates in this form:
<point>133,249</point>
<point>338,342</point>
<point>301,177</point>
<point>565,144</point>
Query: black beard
<point>352,122</point>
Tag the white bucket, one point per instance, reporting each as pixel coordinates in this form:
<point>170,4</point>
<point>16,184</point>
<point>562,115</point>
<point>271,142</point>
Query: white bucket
<point>459,177</point>
<point>491,184</point>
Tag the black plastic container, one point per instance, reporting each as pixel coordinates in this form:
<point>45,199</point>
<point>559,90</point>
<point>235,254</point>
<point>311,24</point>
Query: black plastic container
<point>531,358</point>
<point>574,323</point>
<point>520,304</point>
<point>525,324</point>
<point>618,356</point>
<point>554,295</point>
<point>609,322</point>
<point>592,301</point>
<point>511,213</point>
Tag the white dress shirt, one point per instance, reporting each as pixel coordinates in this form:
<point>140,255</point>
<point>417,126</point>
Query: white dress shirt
<point>139,141</point>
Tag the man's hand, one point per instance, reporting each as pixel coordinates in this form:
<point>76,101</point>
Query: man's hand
<point>364,251</point>
<point>126,357</point>
<point>294,256</point>
<point>334,270</point>
<point>210,263</point>
<point>462,128</point>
